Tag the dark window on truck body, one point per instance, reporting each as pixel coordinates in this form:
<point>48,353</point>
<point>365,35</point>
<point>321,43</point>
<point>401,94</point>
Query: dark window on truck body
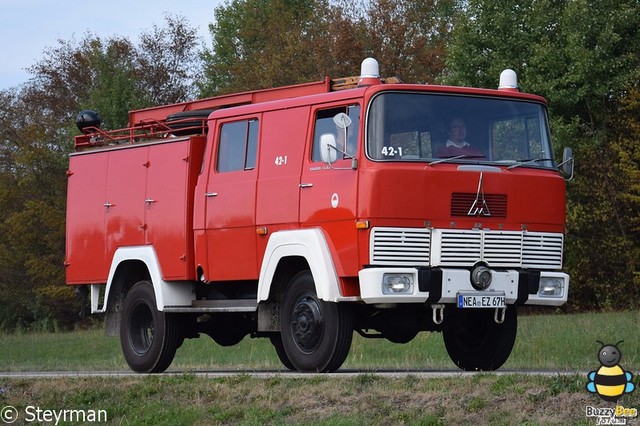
<point>238,146</point>
<point>409,126</point>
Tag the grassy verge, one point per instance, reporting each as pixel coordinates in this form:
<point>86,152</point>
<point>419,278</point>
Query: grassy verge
<point>565,342</point>
<point>366,399</point>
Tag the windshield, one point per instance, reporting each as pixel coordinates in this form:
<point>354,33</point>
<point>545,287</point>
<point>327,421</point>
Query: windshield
<point>404,126</point>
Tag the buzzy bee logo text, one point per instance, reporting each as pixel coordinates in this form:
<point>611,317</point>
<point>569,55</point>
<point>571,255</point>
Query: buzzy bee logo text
<point>610,382</point>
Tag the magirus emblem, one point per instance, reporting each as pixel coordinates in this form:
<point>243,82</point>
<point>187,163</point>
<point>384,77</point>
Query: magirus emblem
<point>479,206</point>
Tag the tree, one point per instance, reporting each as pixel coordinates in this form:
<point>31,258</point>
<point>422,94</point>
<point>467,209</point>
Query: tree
<point>37,127</point>
<point>32,213</point>
<point>269,43</point>
<point>168,63</point>
<point>605,240</point>
<point>264,43</point>
<point>409,37</point>
<point>114,76</point>
<point>579,55</point>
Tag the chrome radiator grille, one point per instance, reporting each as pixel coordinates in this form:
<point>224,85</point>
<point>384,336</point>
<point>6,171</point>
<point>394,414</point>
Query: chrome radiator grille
<point>400,246</point>
<point>541,250</point>
<point>465,248</point>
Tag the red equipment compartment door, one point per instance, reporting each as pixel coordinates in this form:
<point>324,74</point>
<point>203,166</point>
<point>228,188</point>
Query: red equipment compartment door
<point>230,221</point>
<point>85,243</point>
<point>126,181</point>
<point>168,206</point>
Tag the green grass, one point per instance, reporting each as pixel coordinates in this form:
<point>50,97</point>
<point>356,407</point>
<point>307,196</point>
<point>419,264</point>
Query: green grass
<point>366,399</point>
<point>554,341</point>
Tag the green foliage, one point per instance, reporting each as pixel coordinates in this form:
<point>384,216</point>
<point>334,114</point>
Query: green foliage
<point>32,202</point>
<point>113,76</point>
<point>259,43</point>
<point>167,63</point>
<point>602,246</point>
<point>409,37</point>
<point>37,127</point>
<point>113,91</point>
<point>580,55</point>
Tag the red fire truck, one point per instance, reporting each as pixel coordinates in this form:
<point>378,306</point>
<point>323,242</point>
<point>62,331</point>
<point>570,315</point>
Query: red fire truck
<point>305,213</point>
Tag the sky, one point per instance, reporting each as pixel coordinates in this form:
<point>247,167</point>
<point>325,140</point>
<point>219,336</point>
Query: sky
<point>28,27</point>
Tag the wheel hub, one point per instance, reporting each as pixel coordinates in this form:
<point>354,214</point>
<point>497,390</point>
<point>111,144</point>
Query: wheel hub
<point>306,324</point>
<point>142,329</point>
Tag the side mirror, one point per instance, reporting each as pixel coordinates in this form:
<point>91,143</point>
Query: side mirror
<point>328,150</point>
<point>568,162</point>
<point>342,120</point>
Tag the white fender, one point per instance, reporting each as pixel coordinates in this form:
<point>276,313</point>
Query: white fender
<point>168,293</point>
<point>310,244</point>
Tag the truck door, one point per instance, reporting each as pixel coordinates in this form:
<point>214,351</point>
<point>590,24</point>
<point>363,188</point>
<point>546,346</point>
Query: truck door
<point>168,208</point>
<point>86,207</point>
<point>124,201</point>
<point>283,142</point>
<point>230,222</point>
<point>329,192</point>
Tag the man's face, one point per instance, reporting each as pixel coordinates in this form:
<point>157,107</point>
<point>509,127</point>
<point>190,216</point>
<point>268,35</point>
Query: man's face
<point>457,131</point>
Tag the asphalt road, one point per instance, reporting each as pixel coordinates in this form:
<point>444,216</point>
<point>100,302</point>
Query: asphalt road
<point>265,374</point>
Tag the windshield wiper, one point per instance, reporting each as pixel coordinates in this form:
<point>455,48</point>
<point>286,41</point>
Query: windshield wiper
<point>457,157</point>
<point>530,161</point>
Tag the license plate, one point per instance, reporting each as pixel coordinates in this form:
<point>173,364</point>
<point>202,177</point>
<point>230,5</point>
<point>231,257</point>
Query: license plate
<point>481,300</point>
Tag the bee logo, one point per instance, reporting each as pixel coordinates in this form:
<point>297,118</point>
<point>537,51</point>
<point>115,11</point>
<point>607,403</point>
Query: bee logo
<point>610,381</point>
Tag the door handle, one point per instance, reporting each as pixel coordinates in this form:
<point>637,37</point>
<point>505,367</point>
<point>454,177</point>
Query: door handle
<point>305,185</point>
<point>210,194</point>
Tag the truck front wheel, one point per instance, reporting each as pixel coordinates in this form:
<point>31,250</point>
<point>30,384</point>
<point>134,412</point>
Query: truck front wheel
<point>149,337</point>
<point>316,335</point>
<point>474,341</point>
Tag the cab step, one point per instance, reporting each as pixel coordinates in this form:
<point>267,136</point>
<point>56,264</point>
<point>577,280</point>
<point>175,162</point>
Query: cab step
<point>211,306</point>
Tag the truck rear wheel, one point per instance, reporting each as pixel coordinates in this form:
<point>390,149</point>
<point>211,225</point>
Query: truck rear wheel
<point>473,339</point>
<point>149,338</point>
<point>316,335</point>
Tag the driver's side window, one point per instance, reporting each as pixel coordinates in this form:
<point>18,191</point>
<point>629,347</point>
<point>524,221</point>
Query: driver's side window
<point>324,124</point>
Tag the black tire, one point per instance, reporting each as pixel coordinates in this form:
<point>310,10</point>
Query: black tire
<point>276,341</point>
<point>149,338</point>
<point>188,122</point>
<point>316,335</point>
<point>473,339</point>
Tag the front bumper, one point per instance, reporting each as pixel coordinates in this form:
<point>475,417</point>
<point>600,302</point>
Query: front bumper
<point>442,285</point>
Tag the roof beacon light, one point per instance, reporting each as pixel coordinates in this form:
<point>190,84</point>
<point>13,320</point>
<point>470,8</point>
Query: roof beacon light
<point>508,81</point>
<point>369,72</point>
